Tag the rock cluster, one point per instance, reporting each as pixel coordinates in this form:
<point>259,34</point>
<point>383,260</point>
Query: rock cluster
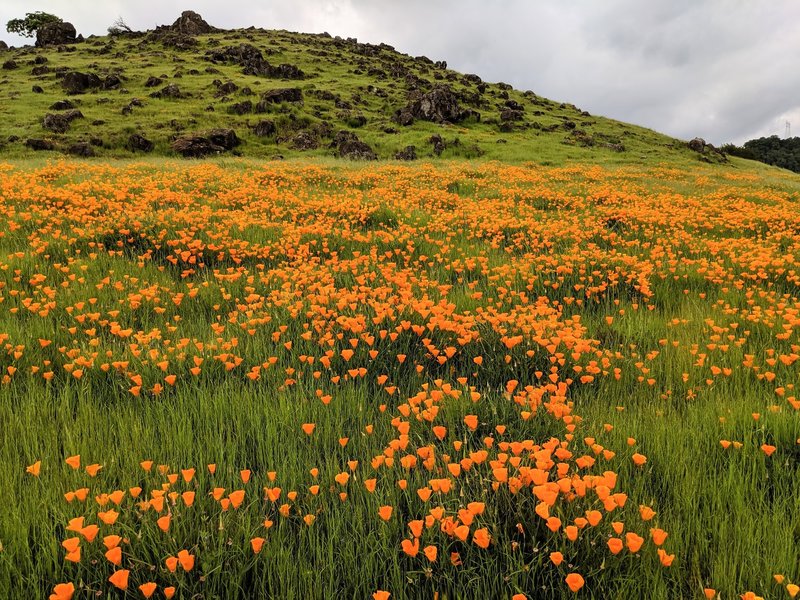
<point>252,61</point>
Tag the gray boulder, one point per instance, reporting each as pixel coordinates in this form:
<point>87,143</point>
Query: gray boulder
<point>75,82</point>
<point>348,146</point>
<point>215,141</point>
<point>60,122</point>
<point>697,144</point>
<point>139,143</point>
<point>81,149</point>
<point>264,128</point>
<point>277,96</point>
<point>39,144</point>
<point>56,34</point>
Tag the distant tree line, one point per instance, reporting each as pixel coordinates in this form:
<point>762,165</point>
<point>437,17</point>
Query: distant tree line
<point>784,153</point>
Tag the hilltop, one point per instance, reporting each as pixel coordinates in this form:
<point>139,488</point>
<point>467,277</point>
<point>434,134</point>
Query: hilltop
<point>192,89</point>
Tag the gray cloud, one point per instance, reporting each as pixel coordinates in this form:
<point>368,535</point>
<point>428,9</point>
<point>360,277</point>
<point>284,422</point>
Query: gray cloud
<point>721,69</point>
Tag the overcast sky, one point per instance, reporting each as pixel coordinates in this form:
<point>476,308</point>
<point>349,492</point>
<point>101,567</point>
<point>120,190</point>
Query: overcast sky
<point>725,70</point>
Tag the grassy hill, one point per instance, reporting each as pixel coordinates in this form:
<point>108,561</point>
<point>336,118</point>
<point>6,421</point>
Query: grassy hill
<point>165,84</point>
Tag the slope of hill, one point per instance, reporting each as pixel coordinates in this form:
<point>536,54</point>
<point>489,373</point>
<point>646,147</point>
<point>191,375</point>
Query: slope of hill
<point>286,94</point>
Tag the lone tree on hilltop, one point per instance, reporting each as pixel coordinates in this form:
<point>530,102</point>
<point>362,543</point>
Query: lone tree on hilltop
<point>27,27</point>
<point>119,27</point>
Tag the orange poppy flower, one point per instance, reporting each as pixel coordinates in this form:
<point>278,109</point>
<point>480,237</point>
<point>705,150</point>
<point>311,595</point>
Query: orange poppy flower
<point>111,541</point>
<point>163,522</point>
<point>90,532</point>
<point>114,555</point>
<point>430,553</point>
<point>666,559</point>
<point>186,560</point>
<point>615,545</point>
<point>119,579</point>
<point>574,582</point>
<point>481,537</point>
<point>63,591</point>
<point>108,517</point>
<point>633,541</point>
<point>461,532</point>
<point>646,513</point>
<point>74,556</point>
<point>236,498</point>
<point>410,548</point>
<point>659,536</point>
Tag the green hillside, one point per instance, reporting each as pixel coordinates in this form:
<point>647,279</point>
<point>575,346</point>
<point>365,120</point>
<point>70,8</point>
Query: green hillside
<point>287,94</point>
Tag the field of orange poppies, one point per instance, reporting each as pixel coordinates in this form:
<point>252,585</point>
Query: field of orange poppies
<point>248,380</point>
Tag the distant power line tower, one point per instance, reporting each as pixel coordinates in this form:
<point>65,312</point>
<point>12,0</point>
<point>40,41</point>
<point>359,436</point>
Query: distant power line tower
<point>788,130</point>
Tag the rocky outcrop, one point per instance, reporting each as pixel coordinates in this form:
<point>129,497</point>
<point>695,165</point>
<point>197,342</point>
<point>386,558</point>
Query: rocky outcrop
<point>277,96</point>
<point>139,143</point>
<point>707,152</point>
<point>153,82</point>
<point>191,23</point>
<point>697,144</point>
<point>60,122</point>
<point>215,141</point>
<point>170,91</point>
<point>305,140</point>
<point>82,149</point>
<point>56,34</point>
<point>39,144</point>
<point>348,146</point>
<point>62,105</point>
<point>439,105</point>
<point>240,108</point>
<point>407,153</point>
<point>264,128</point>
<point>76,82</point>
<point>181,34</point>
